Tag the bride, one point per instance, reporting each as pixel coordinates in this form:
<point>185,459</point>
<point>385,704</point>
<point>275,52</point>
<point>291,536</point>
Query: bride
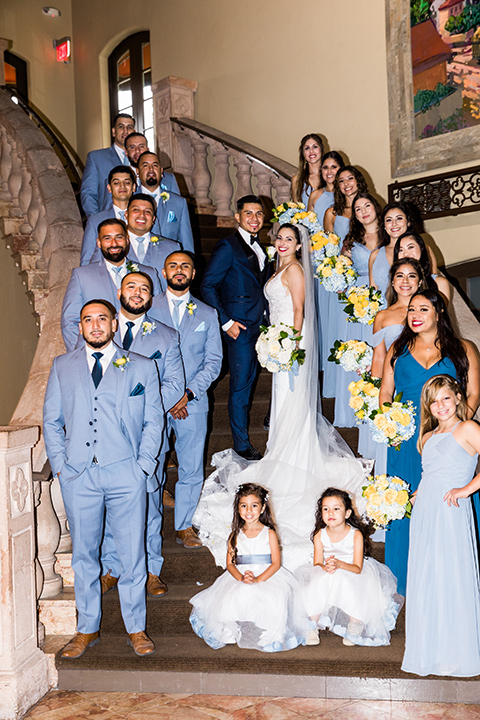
<point>305,454</point>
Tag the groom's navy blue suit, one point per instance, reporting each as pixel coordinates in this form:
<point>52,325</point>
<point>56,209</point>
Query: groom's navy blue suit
<point>233,284</point>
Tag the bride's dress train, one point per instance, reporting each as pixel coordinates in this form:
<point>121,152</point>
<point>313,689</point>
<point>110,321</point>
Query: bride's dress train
<point>304,456</point>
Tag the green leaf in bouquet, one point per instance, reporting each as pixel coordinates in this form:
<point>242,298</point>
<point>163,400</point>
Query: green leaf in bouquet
<point>283,335</point>
<point>398,397</point>
<point>263,329</point>
<point>408,509</point>
<point>299,356</point>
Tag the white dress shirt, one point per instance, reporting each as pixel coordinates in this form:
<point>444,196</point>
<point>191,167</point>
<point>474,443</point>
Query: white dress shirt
<point>182,306</point>
<point>112,269</point>
<point>108,355</point>
<point>122,325</point>
<point>134,241</point>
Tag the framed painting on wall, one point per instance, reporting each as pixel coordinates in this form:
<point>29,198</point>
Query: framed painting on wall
<point>433,58</point>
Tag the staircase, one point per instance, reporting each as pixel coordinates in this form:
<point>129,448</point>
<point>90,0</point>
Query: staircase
<point>184,663</point>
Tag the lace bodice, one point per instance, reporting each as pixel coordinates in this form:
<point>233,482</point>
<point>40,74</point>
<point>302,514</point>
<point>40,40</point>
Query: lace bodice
<point>279,300</point>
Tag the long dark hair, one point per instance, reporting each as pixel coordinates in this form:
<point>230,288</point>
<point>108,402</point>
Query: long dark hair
<point>334,155</point>
<point>353,520</point>
<point>424,256</point>
<point>266,517</point>
<point>447,341</point>
<point>303,173</point>
<point>384,237</point>
<point>340,201</point>
<point>357,230</point>
<point>391,294</point>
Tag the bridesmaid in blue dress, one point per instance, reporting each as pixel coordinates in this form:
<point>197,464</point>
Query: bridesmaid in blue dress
<point>308,176</point>
<point>443,597</point>
<point>395,220</point>
<point>348,182</point>
<point>427,346</point>
<point>412,245</point>
<point>319,202</point>
<point>361,239</point>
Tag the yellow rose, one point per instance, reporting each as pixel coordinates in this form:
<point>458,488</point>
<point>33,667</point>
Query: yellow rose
<point>351,386</point>
<point>390,496</point>
<point>375,499</point>
<point>368,492</point>
<point>375,306</point>
<point>385,408</point>
<point>355,402</point>
<point>360,311</point>
<point>382,482</point>
<point>302,215</point>
<point>311,216</point>
<point>402,497</point>
<point>327,272</point>
<point>360,414</point>
<point>380,421</point>
<point>353,298</point>
<point>404,419</point>
<point>390,430</point>
<point>396,415</point>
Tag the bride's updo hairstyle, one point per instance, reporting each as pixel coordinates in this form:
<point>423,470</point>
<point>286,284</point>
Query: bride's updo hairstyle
<point>266,517</point>
<point>296,232</point>
<point>352,520</point>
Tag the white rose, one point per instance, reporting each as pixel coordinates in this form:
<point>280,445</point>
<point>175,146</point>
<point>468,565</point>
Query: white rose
<point>284,356</point>
<point>272,367</point>
<point>288,344</point>
<point>274,347</point>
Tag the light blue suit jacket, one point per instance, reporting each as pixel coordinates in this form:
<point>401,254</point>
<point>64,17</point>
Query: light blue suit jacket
<point>87,283</point>
<point>68,425</point>
<point>200,344</point>
<point>162,344</point>
<point>173,220</point>
<point>93,192</point>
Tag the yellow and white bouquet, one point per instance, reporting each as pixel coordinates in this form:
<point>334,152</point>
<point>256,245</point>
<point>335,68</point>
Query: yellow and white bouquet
<point>362,303</point>
<point>352,355</point>
<point>277,348</point>
<point>336,273</point>
<point>296,213</point>
<point>385,498</point>
<point>364,396</point>
<point>393,423</point>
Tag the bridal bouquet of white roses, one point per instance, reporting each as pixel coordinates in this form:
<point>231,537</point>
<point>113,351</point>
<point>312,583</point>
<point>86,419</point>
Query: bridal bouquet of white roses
<point>277,348</point>
<point>364,396</point>
<point>295,213</point>
<point>352,355</point>
<point>393,423</point>
<point>384,498</point>
<point>336,273</point>
<point>361,304</point>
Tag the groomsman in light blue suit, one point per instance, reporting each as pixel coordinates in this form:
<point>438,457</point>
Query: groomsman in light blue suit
<point>121,186</point>
<point>103,423</point>
<point>93,191</point>
<point>201,348</point>
<point>135,145</point>
<point>138,332</point>
<point>100,279</point>
<point>173,220</point>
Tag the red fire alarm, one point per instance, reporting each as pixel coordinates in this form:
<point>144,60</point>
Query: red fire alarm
<point>63,48</point>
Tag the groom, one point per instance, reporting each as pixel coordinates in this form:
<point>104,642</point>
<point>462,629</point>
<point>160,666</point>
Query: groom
<point>233,284</point>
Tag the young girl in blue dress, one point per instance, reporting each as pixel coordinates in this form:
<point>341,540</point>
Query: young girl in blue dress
<point>443,585</point>
<point>256,602</point>
<point>351,594</point>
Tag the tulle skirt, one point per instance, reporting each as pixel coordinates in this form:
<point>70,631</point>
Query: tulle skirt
<point>362,608</point>
<point>267,616</point>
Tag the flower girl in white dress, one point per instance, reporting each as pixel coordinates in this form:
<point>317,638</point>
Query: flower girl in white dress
<point>352,595</point>
<point>256,602</point>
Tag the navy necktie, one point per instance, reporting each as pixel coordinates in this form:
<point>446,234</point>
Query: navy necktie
<point>128,337</point>
<point>97,368</point>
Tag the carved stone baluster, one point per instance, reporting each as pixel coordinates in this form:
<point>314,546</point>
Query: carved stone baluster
<point>201,178</point>
<point>33,213</point>
<point>40,229</point>
<point>15,182</point>
<point>65,544</point>
<point>48,535</point>
<point>264,178</point>
<point>24,199</point>
<point>222,185</point>
<point>5,164</point>
<point>244,175</point>
<point>37,489</point>
<point>282,188</point>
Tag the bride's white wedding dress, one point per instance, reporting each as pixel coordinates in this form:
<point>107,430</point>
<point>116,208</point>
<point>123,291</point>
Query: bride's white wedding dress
<point>305,454</point>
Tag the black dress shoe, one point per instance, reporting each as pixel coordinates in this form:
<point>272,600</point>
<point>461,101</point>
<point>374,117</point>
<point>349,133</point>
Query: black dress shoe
<point>249,453</point>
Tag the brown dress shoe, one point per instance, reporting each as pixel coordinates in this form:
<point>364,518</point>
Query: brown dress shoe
<point>141,643</point>
<point>155,586</point>
<point>188,538</point>
<point>168,499</point>
<point>77,646</point>
<point>108,582</point>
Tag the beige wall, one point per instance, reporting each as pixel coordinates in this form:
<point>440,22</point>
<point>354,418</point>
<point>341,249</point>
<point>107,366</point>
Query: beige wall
<point>20,335</point>
<point>51,84</point>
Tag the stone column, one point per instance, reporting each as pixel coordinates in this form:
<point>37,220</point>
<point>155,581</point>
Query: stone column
<point>23,666</point>
<point>173,97</point>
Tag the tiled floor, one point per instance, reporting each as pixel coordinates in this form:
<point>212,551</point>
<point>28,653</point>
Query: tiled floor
<point>149,706</point>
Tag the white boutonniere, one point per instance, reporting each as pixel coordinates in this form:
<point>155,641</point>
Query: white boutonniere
<point>191,307</point>
<point>164,196</point>
<point>132,267</point>
<point>270,250</point>
<point>147,327</point>
<point>122,362</point>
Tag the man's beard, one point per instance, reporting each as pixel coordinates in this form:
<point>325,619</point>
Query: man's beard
<point>135,310</point>
<point>179,285</point>
<point>99,343</point>
<point>115,257</point>
<point>151,181</point>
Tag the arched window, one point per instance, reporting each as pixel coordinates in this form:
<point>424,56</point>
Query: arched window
<point>130,82</point>
<point>16,74</point>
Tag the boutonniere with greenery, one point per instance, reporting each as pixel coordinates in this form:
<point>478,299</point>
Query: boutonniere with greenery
<point>147,327</point>
<point>132,267</point>
<point>191,307</point>
<point>164,196</point>
<point>121,363</point>
<point>270,250</point>
<point>154,239</point>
